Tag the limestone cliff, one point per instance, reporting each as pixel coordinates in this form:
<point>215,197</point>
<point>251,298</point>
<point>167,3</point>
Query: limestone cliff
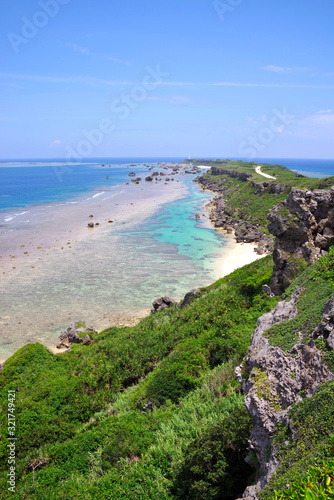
<point>274,380</point>
<point>304,228</point>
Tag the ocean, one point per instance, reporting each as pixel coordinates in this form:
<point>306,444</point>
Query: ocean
<point>27,182</point>
<point>308,167</point>
<point>54,270</point>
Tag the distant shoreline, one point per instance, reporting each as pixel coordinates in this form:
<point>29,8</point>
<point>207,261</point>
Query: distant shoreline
<point>60,243</point>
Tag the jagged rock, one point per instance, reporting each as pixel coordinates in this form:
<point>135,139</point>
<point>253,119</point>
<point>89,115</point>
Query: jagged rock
<point>275,381</point>
<point>73,337</point>
<point>248,235</point>
<point>91,224</point>
<point>70,336</point>
<point>63,335</point>
<point>189,297</point>
<point>303,225</point>
<point>132,174</point>
<point>223,217</point>
<point>163,303</point>
<point>277,188</point>
<point>326,328</point>
<point>266,289</point>
<point>148,178</point>
<point>87,340</point>
<point>274,188</point>
<point>242,176</point>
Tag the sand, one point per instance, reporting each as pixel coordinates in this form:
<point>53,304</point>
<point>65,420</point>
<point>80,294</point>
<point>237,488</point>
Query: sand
<point>57,254</point>
<point>56,228</point>
<point>238,255</point>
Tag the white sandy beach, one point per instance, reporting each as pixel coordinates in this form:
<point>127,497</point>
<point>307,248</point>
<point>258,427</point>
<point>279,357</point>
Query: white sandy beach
<point>237,256</point>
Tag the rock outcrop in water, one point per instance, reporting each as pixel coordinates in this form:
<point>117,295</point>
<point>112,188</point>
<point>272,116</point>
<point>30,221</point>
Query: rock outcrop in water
<point>304,228</point>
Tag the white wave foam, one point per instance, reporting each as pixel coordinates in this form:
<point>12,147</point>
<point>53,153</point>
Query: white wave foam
<point>95,195</point>
<point>14,216</point>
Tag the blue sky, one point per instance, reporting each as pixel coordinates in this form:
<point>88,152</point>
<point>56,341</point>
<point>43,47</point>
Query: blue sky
<point>209,78</point>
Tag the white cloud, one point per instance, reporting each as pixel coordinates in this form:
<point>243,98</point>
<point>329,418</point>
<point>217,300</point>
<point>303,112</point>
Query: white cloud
<point>272,68</point>
<point>315,127</point>
<point>86,80</point>
<point>116,60</point>
<point>85,51</point>
<point>80,50</point>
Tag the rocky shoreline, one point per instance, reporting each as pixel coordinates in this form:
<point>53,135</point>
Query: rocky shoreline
<point>222,215</point>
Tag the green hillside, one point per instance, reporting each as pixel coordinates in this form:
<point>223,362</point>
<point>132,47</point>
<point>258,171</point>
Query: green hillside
<point>244,199</point>
<point>155,411</point>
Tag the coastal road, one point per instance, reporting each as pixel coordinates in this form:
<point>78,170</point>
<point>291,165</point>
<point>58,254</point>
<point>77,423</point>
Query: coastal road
<point>258,171</point>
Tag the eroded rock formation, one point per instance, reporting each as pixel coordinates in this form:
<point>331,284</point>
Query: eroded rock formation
<point>304,228</point>
<point>274,380</point>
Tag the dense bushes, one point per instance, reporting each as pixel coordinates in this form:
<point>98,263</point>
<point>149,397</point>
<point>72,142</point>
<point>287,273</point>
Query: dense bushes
<point>121,415</point>
<point>214,464</point>
<point>305,442</point>
<point>154,411</point>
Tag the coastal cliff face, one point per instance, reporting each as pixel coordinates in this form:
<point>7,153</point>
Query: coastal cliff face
<point>286,361</point>
<point>227,217</point>
<point>303,225</point>
<point>274,380</point>
<point>285,364</point>
<point>242,176</point>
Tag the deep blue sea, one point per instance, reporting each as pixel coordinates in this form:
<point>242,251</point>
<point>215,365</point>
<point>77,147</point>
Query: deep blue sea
<point>308,167</point>
<point>27,182</point>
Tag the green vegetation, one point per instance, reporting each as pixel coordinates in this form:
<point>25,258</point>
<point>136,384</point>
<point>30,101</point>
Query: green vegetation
<point>318,484</point>
<point>126,416</point>
<point>244,200</point>
<point>155,412</point>
<point>317,282</point>
<point>312,443</point>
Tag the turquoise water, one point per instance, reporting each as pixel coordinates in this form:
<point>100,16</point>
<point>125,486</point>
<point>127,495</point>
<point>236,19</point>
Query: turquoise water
<point>112,273</point>
<point>176,224</point>
<point>116,272</point>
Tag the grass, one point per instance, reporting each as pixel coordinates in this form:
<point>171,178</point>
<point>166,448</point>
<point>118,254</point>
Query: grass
<point>118,418</point>
<point>154,411</point>
<point>242,198</point>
